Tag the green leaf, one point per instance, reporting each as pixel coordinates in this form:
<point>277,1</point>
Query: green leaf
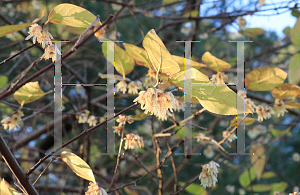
<point>260,188</point>
<point>286,30</point>
<point>265,79</point>
<point>195,189</point>
<point>286,90</point>
<point>168,1</point>
<point>78,166</point>
<point>216,99</point>
<point>124,64</point>
<point>247,121</point>
<point>194,13</point>
<point>279,187</point>
<point>294,67</point>
<point>244,178</point>
<point>258,160</point>
<point>8,29</point>
<point>295,12</point>
<point>138,54</point>
<point>294,33</point>
<point>181,62</point>
<point>251,32</point>
<point>160,58</point>
<point>268,175</point>
<point>30,92</point>
<point>215,63</point>
<point>277,132</point>
<point>3,81</point>
<point>71,15</point>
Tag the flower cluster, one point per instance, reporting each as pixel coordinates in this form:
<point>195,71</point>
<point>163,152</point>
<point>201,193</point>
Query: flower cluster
<point>295,193</point>
<point>122,121</point>
<point>296,157</point>
<point>94,189</point>
<point>158,103</point>
<point>242,191</point>
<point>13,121</point>
<point>43,37</point>
<point>230,137</point>
<point>133,140</point>
<point>133,87</point>
<point>257,130</point>
<point>85,118</point>
<point>230,188</point>
<point>219,78</point>
<point>208,176</point>
<point>264,112</point>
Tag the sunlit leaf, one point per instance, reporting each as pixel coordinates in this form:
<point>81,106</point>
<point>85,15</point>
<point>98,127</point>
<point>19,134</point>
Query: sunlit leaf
<point>194,100</point>
<point>244,178</point>
<point>290,104</point>
<point>215,63</point>
<point>277,132</point>
<point>194,13</point>
<point>294,68</point>
<point>251,32</point>
<point>268,175</point>
<point>247,121</point>
<point>138,54</point>
<point>260,188</point>
<point>258,160</point>
<point>168,1</point>
<point>279,187</point>
<point>286,90</point>
<point>195,189</point>
<point>8,29</point>
<point>180,61</point>
<point>160,58</point>
<point>265,78</point>
<point>294,33</point>
<point>286,30</point>
<point>30,92</point>
<point>75,30</point>
<point>6,189</point>
<point>3,81</point>
<point>124,64</point>
<point>71,15</point>
<point>78,166</point>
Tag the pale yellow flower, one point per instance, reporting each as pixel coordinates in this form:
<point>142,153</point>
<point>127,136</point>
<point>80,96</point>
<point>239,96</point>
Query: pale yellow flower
<point>41,36</point>
<point>10,123</point>
<point>121,86</point>
<point>208,176</point>
<point>231,137</point>
<point>50,52</point>
<point>209,151</point>
<point>134,86</point>
<point>268,112</point>
<point>280,107</point>
<point>230,188</point>
<point>296,157</point>
<point>94,189</point>
<point>242,94</point>
<point>260,110</point>
<point>118,129</point>
<point>121,119</point>
<point>92,121</point>
<point>132,141</point>
<point>251,104</point>
<point>83,117</point>
<point>219,78</point>
<point>242,191</point>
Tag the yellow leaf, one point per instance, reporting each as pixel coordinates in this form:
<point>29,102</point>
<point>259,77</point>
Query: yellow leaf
<point>130,192</point>
<point>286,90</point>
<point>78,166</point>
<point>247,121</point>
<point>294,69</point>
<point>75,30</point>
<point>71,15</point>
<point>30,92</point>
<point>194,100</point>
<point>194,13</point>
<point>194,189</point>
<point>245,177</point>
<point>124,64</point>
<point>160,58</point>
<point>216,99</point>
<point>194,64</point>
<point>265,79</point>
<point>290,104</point>
<point>258,160</point>
<point>251,32</point>
<point>215,63</point>
<point>138,54</point>
<point>6,189</point>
